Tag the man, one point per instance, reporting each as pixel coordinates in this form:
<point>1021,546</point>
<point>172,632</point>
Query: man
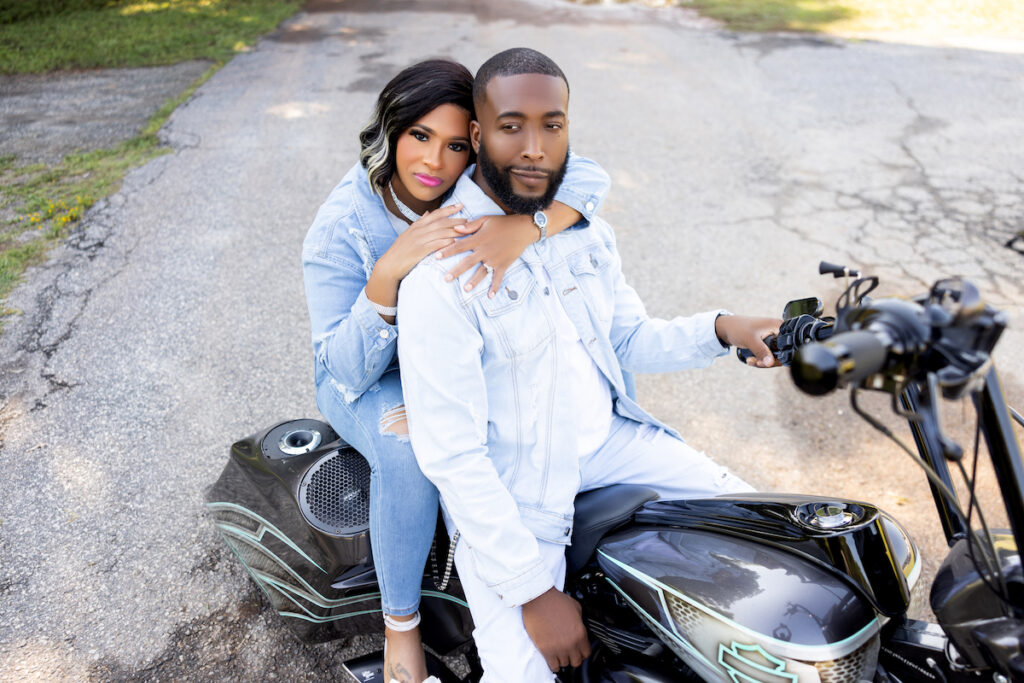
<point>517,402</point>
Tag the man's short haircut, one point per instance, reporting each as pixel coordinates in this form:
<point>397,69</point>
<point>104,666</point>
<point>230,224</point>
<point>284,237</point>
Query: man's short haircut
<point>515,61</point>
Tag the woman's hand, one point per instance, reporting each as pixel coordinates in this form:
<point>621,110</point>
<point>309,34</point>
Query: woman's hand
<point>496,242</point>
<point>434,230</point>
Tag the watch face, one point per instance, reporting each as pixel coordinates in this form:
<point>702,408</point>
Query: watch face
<point>540,219</point>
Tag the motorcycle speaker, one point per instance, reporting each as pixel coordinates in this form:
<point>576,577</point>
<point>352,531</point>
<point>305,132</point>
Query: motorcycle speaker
<point>333,493</point>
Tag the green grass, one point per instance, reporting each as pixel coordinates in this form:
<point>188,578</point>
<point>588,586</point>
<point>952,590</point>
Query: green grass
<point>773,15</point>
<point>52,199</point>
<point>38,36</point>
<point>44,35</point>
<point>939,18</point>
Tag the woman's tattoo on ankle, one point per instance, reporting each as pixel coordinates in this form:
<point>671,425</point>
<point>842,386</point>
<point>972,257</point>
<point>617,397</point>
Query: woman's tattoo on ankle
<point>399,673</point>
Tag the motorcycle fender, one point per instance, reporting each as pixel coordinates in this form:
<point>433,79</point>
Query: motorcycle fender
<point>737,610</point>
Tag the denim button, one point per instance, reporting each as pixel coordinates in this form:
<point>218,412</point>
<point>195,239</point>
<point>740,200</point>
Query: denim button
<point>591,342</point>
<point>593,261</point>
<point>590,206</point>
<point>384,334</point>
<point>547,291</point>
<point>513,294</point>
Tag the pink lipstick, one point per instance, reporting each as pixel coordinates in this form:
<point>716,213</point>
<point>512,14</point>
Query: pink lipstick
<point>428,180</point>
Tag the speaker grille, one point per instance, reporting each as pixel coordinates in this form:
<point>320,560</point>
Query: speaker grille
<point>334,495</point>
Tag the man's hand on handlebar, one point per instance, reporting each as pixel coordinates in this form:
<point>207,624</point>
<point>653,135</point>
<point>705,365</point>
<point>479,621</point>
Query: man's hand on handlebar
<point>555,626</point>
<point>747,332</point>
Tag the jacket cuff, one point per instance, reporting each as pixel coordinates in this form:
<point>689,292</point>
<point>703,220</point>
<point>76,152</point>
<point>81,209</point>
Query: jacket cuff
<point>709,343</point>
<point>531,584</point>
<point>379,333</point>
<point>586,204</point>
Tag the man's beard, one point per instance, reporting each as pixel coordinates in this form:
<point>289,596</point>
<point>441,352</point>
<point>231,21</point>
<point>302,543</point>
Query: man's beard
<point>500,182</point>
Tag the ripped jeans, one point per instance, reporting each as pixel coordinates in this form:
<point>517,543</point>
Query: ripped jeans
<point>403,502</point>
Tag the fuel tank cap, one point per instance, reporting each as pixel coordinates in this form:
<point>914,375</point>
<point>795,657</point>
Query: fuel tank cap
<point>828,515</point>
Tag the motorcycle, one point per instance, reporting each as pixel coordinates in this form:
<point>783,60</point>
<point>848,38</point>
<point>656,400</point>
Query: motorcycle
<point>748,588</point>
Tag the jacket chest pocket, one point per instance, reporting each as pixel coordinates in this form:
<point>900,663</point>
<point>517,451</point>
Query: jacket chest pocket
<point>518,321</point>
<point>589,268</point>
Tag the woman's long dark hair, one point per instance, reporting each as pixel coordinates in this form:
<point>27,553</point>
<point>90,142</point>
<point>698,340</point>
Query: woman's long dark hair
<point>412,94</point>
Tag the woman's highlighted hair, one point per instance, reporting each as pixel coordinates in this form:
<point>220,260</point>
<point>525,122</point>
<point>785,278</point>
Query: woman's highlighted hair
<point>412,94</point>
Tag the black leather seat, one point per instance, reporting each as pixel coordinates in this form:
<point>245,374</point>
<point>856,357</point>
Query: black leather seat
<point>598,513</point>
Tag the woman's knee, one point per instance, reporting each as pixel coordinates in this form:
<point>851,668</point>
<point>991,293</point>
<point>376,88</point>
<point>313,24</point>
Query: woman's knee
<point>394,450</point>
<point>393,423</point>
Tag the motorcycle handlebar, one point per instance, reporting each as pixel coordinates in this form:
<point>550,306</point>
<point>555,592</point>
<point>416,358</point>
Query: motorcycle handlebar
<point>948,331</point>
<point>848,357</point>
<point>771,341</point>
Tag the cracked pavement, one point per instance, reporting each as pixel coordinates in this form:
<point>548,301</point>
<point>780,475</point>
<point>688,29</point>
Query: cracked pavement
<point>172,322</point>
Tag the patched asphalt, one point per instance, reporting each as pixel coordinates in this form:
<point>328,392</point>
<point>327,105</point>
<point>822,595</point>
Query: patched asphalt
<point>172,322</point>
<point>44,117</point>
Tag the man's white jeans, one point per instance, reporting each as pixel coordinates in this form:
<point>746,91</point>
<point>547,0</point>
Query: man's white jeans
<point>633,453</point>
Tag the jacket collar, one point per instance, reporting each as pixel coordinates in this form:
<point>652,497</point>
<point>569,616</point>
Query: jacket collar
<point>474,200</point>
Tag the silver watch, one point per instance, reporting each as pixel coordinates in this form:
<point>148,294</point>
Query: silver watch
<point>540,219</point>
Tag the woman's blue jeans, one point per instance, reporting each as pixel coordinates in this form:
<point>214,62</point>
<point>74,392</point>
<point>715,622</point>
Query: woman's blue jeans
<point>403,502</point>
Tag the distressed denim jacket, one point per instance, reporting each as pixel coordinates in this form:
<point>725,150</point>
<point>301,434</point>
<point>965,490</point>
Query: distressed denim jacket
<point>353,346</point>
<point>490,413</point>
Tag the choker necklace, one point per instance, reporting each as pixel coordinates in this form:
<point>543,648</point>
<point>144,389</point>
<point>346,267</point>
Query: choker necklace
<point>406,211</point>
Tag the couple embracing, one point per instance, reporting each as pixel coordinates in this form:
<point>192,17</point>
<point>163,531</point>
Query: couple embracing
<point>469,221</point>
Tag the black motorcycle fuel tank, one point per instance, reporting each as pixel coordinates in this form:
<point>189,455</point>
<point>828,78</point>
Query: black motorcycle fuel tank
<point>736,610</point>
<point>739,591</point>
<point>866,546</point>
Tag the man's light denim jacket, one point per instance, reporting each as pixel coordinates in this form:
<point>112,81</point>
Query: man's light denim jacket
<point>353,346</point>
<point>489,411</point>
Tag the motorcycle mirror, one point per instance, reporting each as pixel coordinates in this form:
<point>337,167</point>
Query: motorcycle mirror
<point>798,307</point>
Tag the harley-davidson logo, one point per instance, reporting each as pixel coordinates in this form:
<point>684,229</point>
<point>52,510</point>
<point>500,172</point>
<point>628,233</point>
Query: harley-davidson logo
<point>751,664</point>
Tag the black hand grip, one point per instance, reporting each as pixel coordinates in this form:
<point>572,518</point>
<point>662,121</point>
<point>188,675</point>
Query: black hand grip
<point>771,341</point>
<point>848,357</point>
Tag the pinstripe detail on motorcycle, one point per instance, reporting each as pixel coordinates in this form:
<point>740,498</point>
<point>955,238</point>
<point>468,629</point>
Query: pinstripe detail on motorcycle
<point>683,649</point>
<point>289,594</point>
<point>263,527</point>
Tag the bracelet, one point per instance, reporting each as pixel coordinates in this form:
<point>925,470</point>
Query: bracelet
<point>384,310</point>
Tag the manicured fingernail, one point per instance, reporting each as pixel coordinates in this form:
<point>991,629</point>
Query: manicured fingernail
<point>490,295</point>
<point>449,277</point>
<point>467,288</point>
<point>439,256</point>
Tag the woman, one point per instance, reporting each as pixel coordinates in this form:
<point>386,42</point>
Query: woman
<point>376,225</point>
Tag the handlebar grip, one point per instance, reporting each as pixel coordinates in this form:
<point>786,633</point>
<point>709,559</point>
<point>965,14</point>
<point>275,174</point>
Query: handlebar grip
<point>771,341</point>
<point>848,357</point>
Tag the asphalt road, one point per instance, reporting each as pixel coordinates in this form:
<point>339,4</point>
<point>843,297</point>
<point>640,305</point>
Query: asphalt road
<point>173,323</point>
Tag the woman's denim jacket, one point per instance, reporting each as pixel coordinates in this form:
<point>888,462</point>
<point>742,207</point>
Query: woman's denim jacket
<point>352,344</point>
<point>491,413</point>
